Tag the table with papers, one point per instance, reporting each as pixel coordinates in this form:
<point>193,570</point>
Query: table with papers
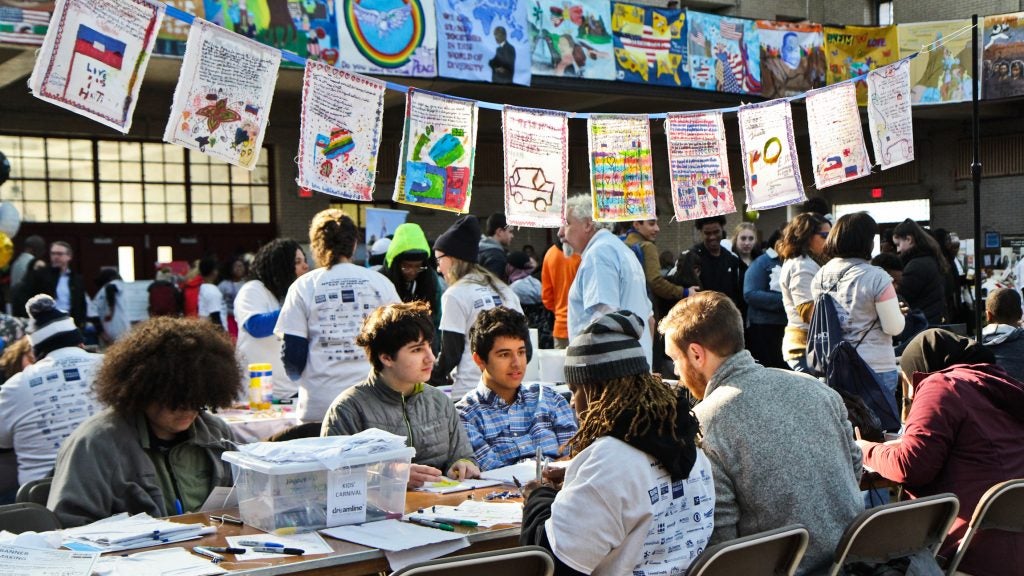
<point>255,425</point>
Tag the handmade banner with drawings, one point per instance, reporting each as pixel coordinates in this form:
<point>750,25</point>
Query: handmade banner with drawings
<point>536,150</point>
<point>769,155</point>
<point>393,37</point>
<point>435,169</point>
<point>340,131</point>
<point>943,74</point>
<point>889,118</point>
<point>94,57</point>
<point>571,39</point>
<point>650,44</point>
<point>723,52</point>
<point>792,58</point>
<point>852,51</point>
<point>698,165</point>
<point>838,153</point>
<point>621,167</point>
<point>484,41</point>
<point>222,102</point>
<point>1002,56</point>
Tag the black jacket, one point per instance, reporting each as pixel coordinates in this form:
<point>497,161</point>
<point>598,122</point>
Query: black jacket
<point>721,273</point>
<point>44,281</point>
<point>923,285</point>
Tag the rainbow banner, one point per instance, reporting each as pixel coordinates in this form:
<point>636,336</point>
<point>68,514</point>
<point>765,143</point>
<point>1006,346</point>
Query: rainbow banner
<point>389,37</point>
<point>621,168</point>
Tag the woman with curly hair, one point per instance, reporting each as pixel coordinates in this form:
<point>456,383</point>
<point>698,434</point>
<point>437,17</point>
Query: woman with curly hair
<point>637,437</point>
<point>801,247</point>
<point>258,304</point>
<point>155,449</point>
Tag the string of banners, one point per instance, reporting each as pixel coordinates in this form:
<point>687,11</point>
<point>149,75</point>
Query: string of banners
<point>95,53</point>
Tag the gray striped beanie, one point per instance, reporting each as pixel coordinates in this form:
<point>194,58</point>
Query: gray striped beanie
<point>608,348</point>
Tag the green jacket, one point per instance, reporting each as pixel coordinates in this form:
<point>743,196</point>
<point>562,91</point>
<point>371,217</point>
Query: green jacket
<point>107,466</point>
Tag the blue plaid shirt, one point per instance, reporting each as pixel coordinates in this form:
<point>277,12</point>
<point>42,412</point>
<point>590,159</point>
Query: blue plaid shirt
<point>503,434</point>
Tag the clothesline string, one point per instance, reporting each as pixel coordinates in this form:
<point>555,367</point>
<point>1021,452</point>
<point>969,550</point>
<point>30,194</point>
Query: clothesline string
<point>188,18</point>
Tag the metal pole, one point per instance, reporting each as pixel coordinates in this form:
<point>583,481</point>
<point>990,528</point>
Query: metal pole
<point>976,177</point>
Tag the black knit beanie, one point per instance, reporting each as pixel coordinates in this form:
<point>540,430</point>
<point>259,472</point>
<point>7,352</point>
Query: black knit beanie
<point>50,327</point>
<point>461,240</point>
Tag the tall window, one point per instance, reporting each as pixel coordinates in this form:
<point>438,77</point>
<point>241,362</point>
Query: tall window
<point>113,181</point>
<point>885,15</point>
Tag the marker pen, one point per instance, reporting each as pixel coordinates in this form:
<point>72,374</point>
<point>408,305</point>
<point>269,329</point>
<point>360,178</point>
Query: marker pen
<point>251,543</point>
<point>213,556</point>
<point>279,550</point>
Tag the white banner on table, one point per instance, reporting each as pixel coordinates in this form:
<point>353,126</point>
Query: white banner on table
<point>342,116</point>
<point>698,165</point>
<point>222,102</point>
<point>23,561</point>
<point>889,119</point>
<point>838,152</point>
<point>94,57</point>
<point>536,150</point>
<point>770,165</point>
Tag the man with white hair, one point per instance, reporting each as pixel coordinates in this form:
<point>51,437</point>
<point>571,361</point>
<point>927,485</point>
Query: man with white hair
<point>610,277</point>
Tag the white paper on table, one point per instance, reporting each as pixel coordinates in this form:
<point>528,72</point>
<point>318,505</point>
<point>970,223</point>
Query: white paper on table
<point>220,498</point>
<point>402,558</point>
<point>176,561</point>
<point>524,471</point>
<point>448,486</point>
<point>485,514</point>
<point>393,535</point>
<point>23,561</point>
<point>310,543</point>
<point>124,532</point>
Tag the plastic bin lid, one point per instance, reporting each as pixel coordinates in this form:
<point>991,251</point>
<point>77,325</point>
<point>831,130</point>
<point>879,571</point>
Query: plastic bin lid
<point>276,468</point>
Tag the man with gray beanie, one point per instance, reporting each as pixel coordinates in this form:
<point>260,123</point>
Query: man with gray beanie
<point>42,405</point>
<point>636,468</point>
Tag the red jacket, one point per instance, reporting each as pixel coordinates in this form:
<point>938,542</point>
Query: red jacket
<point>964,434</point>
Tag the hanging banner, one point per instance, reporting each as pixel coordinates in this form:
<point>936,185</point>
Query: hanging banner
<point>838,152</point>
<point>621,169</point>
<point>536,149</point>
<point>792,58</point>
<point>438,150</point>
<point>852,51</point>
<point>770,165</point>
<point>392,37</point>
<point>484,42</point>
<point>942,74</point>
<point>342,116</point>
<point>889,119</point>
<point>1003,56</point>
<point>650,44</point>
<point>308,28</point>
<point>571,40</point>
<point>24,21</point>
<point>173,34</point>
<point>222,101</point>
<point>698,165</point>
<point>95,56</point>
<point>724,53</point>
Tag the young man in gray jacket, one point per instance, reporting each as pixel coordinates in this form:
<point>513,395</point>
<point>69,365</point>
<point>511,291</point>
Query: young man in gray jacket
<point>781,449</point>
<point>394,398</point>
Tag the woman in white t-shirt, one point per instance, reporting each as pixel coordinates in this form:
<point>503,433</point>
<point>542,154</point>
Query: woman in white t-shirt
<point>471,289</point>
<point>258,304</point>
<point>801,247</point>
<point>109,305</point>
<point>211,301</point>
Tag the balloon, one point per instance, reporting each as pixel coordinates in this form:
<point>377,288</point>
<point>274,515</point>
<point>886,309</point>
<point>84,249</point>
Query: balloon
<point>5,168</point>
<point>6,250</point>
<point>10,219</point>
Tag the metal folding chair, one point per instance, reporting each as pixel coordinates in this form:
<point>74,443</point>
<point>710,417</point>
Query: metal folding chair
<point>26,516</point>
<point>1000,508</point>
<point>521,561</point>
<point>771,553</point>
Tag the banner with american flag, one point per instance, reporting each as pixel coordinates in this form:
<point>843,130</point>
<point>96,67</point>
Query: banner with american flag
<point>649,44</point>
<point>723,53</point>
<point>21,26</point>
<point>93,59</point>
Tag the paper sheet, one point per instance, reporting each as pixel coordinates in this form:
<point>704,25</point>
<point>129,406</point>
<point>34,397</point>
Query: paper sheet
<point>124,532</point>
<point>220,498</point>
<point>698,165</point>
<point>536,154</point>
<point>447,486</point>
<point>170,562</point>
<point>485,514</point>
<point>889,118</point>
<point>523,471</point>
<point>621,168</point>
<point>838,153</point>
<point>392,535</point>
<point>22,561</point>
<point>769,155</point>
<point>310,543</point>
<point>401,558</point>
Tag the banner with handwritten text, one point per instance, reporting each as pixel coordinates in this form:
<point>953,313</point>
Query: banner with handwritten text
<point>724,53</point>
<point>851,51</point>
<point>342,115</point>
<point>942,74</point>
<point>650,44</point>
<point>391,37</point>
<point>889,119</point>
<point>435,169</point>
<point>698,165</point>
<point>536,150</point>
<point>483,41</point>
<point>792,58</point>
<point>222,101</point>
<point>94,57</point>
<point>838,153</point>
<point>571,39</point>
<point>621,169</point>
<point>770,165</point>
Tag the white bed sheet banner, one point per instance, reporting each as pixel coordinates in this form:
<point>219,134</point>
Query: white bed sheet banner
<point>889,117</point>
<point>838,152</point>
<point>342,116</point>
<point>770,165</point>
<point>698,165</point>
<point>94,57</point>
<point>536,151</point>
<point>222,101</point>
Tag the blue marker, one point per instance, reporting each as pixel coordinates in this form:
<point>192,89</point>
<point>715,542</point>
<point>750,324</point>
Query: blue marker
<point>257,543</point>
<point>177,507</point>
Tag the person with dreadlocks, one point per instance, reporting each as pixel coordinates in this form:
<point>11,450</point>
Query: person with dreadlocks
<point>258,304</point>
<point>781,449</point>
<point>636,466</point>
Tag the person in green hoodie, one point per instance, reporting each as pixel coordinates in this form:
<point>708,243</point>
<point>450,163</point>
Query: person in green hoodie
<point>406,264</point>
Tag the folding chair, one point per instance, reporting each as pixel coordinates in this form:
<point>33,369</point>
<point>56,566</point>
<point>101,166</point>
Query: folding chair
<point>1000,508</point>
<point>521,561</point>
<point>896,531</point>
<point>771,553</point>
<point>37,491</point>
<point>25,516</point>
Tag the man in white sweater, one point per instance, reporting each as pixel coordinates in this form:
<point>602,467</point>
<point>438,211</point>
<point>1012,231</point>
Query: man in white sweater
<point>781,449</point>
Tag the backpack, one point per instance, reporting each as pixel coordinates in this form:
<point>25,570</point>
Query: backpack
<point>164,299</point>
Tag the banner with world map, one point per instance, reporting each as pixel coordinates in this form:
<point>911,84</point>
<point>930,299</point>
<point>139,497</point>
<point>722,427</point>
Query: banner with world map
<point>483,41</point>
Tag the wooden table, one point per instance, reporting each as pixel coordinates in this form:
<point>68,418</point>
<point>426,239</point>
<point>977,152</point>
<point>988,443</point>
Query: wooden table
<point>347,559</point>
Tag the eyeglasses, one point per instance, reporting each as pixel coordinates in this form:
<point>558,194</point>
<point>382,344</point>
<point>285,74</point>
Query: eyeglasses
<point>411,269</point>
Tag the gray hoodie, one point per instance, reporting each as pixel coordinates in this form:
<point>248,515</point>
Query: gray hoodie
<point>1007,343</point>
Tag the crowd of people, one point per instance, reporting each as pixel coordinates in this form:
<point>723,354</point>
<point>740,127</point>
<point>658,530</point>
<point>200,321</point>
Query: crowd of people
<point>433,343</point>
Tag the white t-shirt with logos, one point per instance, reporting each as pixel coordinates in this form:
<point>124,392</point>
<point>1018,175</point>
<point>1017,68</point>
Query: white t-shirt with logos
<point>327,307</point>
<point>211,300</point>
<point>461,303</point>
<point>252,299</point>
